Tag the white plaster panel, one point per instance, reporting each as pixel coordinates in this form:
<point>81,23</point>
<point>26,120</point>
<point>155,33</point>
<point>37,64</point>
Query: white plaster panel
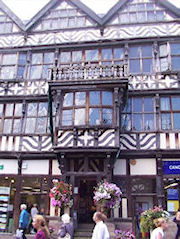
<point>143,167</point>
<point>55,168</point>
<point>10,166</point>
<point>163,141</point>
<point>120,167</point>
<point>172,141</point>
<point>124,208</point>
<point>36,167</point>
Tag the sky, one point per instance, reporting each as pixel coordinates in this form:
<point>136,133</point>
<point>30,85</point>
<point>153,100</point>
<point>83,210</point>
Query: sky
<point>26,9</point>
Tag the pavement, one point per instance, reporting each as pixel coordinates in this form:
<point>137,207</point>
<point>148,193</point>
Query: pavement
<point>11,236</point>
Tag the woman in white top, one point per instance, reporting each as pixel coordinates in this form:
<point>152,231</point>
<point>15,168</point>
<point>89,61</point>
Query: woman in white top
<point>161,226</point>
<point>100,230</point>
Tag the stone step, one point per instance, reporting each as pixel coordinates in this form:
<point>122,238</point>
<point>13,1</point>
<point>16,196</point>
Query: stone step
<point>85,233</point>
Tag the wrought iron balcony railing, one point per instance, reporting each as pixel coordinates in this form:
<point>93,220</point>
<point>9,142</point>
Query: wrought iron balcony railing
<point>88,72</point>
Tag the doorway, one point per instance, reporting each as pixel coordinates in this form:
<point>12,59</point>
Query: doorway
<point>85,207</point>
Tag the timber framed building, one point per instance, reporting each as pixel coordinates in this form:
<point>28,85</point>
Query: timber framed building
<point>108,86</point>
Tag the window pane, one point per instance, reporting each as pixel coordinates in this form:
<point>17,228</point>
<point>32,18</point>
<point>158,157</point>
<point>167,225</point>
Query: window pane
<point>32,109</point>
<point>137,122</point>
<point>80,98</point>
<point>132,17</point>
<point>43,109</point>
<point>107,116</point>
<point>7,126</point>
<point>151,16</point>
<point>148,104</point>
<point>163,50</point>
<point>76,56</point>
<point>118,53</point>
<point>20,71</point>
<point>176,117</point>
<point>94,97</point>
<point>9,59</point>
<point>165,121</point>
<point>67,117</point>
<point>9,110</point>
<point>41,125</point>
<point>106,54</point>
<point>124,18</point>
<point>94,116</point>
<point>128,106</point>
<point>80,21</point>
<point>148,122</point>
<point>91,55</point>
<point>165,103</point>
<point>134,66</point>
<point>147,51</point>
<point>175,49</point>
<point>17,126</point>
<point>160,15</point>
<point>45,71</point>
<point>126,122</point>
<point>63,22</point>
<point>150,6</point>
<point>175,63</point>
<point>30,125</point>
<point>134,52</point>
<point>107,98</point>
<point>164,64</point>
<point>35,72</point>
<point>37,58</point>
<point>18,110</point>
<point>22,59</point>
<point>137,105</point>
<point>147,65</point>
<point>141,16</point>
<point>48,57</point>
<point>175,102</point>
<point>79,117</point>
<point>7,72</point>
<point>68,99</point>
<point>65,57</point>
<point>141,6</point>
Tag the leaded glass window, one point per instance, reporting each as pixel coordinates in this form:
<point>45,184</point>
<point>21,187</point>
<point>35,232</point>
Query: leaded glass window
<point>40,63</point>
<point>170,112</point>
<point>10,118</point>
<point>87,108</point>
<point>139,114</point>
<point>140,59</point>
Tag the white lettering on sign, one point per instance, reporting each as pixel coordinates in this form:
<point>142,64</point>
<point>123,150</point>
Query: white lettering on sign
<point>174,167</point>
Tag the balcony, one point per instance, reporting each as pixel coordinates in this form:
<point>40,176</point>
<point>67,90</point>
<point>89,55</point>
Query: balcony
<point>79,75</point>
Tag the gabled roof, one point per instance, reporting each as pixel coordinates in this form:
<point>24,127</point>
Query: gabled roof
<point>121,3</point>
<point>52,3</point>
<point>11,15</point>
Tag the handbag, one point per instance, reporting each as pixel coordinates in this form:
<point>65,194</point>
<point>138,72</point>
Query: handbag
<point>67,236</point>
<point>19,234</point>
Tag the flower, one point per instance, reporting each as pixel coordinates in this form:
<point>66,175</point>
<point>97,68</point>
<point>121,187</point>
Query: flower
<point>51,229</point>
<point>148,216</point>
<point>61,194</point>
<point>107,194</point>
<point>124,234</point>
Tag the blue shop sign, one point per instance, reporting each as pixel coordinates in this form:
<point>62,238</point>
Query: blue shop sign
<point>171,167</point>
<point>172,194</point>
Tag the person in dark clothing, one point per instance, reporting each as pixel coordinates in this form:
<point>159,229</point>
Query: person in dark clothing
<point>177,221</point>
<point>23,220</point>
<point>67,227</point>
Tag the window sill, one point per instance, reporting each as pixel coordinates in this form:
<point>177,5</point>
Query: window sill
<point>96,127</point>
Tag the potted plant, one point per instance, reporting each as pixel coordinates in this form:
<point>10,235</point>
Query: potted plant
<point>124,234</point>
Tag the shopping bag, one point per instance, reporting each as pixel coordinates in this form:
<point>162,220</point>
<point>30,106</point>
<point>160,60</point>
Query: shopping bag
<point>19,234</point>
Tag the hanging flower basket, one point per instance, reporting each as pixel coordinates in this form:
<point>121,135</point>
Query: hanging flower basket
<point>107,195</point>
<point>61,194</point>
<point>124,234</point>
<point>147,218</point>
